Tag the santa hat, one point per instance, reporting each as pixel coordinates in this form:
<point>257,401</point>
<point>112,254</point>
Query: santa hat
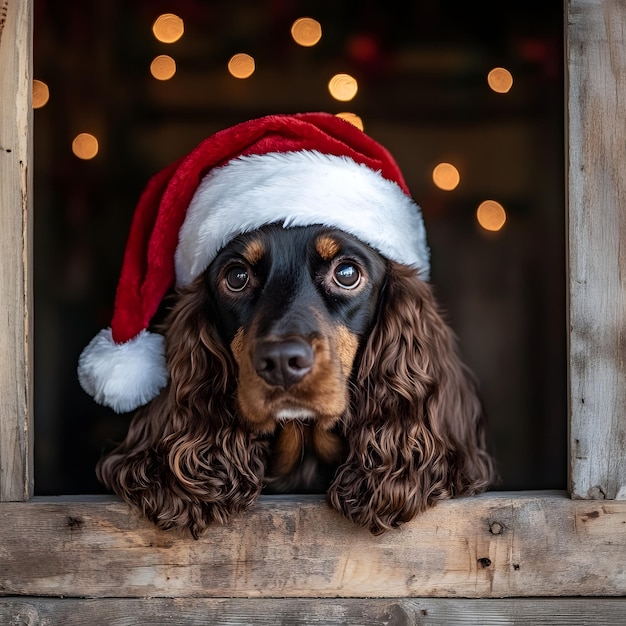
<point>294,170</point>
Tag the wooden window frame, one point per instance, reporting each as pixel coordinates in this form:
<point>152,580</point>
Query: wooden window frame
<point>492,546</point>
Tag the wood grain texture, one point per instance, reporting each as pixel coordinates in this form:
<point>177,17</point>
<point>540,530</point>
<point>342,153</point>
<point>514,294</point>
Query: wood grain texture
<point>15,250</point>
<point>596,60</point>
<point>494,545</point>
<point>306,612</point>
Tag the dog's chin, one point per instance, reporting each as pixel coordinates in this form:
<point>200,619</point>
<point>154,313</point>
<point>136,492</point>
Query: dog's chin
<point>305,416</point>
<point>295,413</point>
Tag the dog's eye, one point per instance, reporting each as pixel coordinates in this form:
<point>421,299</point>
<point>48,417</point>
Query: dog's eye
<point>347,275</point>
<point>237,278</point>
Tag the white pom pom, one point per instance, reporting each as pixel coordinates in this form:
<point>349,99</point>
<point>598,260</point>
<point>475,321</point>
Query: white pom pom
<point>123,376</point>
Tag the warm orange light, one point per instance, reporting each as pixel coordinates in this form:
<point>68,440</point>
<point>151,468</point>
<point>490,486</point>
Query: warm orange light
<point>241,65</point>
<point>306,31</point>
<point>446,176</point>
<point>163,67</point>
<point>85,146</point>
<point>41,94</point>
<point>491,215</point>
<point>500,80</point>
<point>353,118</point>
<point>168,28</point>
<point>343,87</point>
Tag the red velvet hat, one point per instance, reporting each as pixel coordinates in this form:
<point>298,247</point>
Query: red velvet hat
<point>295,170</point>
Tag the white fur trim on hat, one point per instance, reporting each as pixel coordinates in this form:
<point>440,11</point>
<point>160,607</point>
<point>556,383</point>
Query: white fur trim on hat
<point>126,375</point>
<point>299,189</point>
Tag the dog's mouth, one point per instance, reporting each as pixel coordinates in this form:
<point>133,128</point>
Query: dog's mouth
<point>295,405</point>
<point>266,407</point>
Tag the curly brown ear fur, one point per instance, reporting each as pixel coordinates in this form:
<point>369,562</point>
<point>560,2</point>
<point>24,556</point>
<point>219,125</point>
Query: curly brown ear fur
<point>187,461</point>
<point>416,433</point>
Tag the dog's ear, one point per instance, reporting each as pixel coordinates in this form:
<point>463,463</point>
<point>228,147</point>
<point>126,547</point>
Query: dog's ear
<point>416,434</point>
<point>187,461</point>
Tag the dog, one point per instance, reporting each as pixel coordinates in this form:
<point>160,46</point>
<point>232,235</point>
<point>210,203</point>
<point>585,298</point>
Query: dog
<point>302,360</point>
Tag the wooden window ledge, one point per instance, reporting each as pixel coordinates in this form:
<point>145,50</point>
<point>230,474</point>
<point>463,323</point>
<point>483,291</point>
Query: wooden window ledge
<point>494,545</point>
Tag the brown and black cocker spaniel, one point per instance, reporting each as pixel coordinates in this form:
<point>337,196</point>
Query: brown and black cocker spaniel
<point>299,357</point>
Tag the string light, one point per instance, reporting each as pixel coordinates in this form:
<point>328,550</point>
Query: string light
<point>41,94</point>
<point>500,80</point>
<point>163,67</point>
<point>446,176</point>
<point>241,65</point>
<point>353,118</point>
<point>343,87</point>
<point>306,31</point>
<point>168,28</point>
<point>491,215</point>
<point>85,146</point>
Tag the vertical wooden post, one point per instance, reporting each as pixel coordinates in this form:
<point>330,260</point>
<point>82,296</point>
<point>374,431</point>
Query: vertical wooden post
<point>596,97</point>
<point>16,459</point>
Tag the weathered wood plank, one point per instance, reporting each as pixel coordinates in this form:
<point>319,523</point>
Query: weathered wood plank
<point>494,545</point>
<point>15,250</point>
<point>596,60</point>
<point>305,612</point>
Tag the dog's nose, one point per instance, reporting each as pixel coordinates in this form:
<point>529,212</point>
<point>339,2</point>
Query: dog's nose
<point>283,363</point>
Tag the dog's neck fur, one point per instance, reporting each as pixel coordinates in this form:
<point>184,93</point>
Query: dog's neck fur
<point>304,458</point>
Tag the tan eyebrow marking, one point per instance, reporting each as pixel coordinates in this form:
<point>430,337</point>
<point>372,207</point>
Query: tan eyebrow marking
<point>327,247</point>
<point>254,252</point>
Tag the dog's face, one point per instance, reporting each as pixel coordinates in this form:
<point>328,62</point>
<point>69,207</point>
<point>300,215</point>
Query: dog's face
<point>293,305</point>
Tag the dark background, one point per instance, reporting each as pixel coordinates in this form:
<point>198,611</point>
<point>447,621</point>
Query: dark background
<point>421,68</point>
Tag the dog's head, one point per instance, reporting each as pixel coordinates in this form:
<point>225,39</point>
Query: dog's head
<point>293,306</point>
<point>303,348</point>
